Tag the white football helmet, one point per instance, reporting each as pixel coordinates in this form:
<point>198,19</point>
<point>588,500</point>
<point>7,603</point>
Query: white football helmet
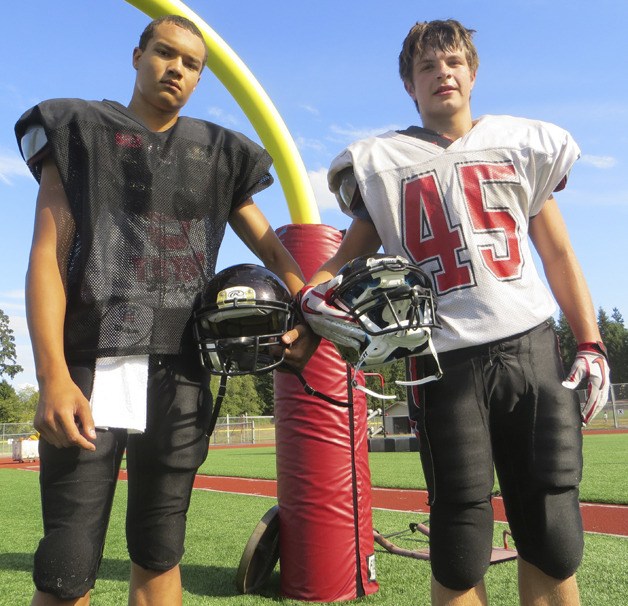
<point>385,299</point>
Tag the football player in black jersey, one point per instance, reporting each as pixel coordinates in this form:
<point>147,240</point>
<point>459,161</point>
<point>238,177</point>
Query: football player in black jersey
<point>132,207</point>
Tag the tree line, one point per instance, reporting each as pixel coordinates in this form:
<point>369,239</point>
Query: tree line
<point>253,394</point>
<point>14,407</point>
<point>613,331</point>
<point>615,337</point>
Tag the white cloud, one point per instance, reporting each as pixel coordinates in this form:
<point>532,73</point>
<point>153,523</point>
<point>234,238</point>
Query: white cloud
<point>12,165</point>
<point>12,301</point>
<point>220,115</point>
<point>13,294</point>
<point>310,109</point>
<point>312,144</point>
<point>324,198</point>
<point>351,133</point>
<point>25,359</point>
<point>599,161</point>
<point>24,353</point>
<point>601,199</point>
<point>25,386</point>
<point>9,307</point>
<point>19,326</point>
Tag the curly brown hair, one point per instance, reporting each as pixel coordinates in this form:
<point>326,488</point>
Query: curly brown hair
<point>442,35</point>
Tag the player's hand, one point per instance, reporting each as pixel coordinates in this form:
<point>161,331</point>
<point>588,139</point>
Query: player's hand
<point>326,320</point>
<point>63,416</point>
<point>301,342</point>
<point>590,365</point>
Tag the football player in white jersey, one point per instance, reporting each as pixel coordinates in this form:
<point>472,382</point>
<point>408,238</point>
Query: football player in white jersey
<point>462,198</point>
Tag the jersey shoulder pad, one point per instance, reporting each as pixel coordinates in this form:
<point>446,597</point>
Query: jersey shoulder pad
<point>343,184</point>
<point>33,142</point>
<point>350,197</point>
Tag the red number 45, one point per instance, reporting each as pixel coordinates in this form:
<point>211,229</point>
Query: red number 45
<point>430,234</point>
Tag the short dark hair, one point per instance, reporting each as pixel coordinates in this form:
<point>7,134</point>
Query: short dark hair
<point>442,35</point>
<point>183,22</point>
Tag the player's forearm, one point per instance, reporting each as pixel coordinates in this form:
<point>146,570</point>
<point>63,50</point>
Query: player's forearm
<point>325,273</point>
<point>45,310</point>
<point>571,292</point>
<point>277,259</point>
<point>564,274</point>
<point>252,227</point>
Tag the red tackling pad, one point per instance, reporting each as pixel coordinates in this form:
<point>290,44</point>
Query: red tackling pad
<point>323,479</point>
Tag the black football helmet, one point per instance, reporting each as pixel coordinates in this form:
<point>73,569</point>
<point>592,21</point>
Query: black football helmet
<point>391,299</point>
<point>243,312</point>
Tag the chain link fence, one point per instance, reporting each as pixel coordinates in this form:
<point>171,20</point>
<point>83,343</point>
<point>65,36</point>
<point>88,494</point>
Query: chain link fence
<point>614,415</point>
<point>12,432</point>
<point>245,429</point>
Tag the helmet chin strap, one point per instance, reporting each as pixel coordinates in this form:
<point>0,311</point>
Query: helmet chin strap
<point>222,389</point>
<point>220,396</point>
<point>310,391</point>
<point>435,377</point>
<point>363,388</point>
<point>370,392</point>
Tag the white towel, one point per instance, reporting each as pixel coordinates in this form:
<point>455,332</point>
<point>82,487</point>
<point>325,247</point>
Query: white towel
<point>119,393</point>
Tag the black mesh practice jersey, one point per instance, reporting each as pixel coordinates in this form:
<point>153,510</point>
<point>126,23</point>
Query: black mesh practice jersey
<point>150,211</point>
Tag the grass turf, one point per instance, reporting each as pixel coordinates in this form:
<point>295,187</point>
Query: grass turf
<point>604,475</point>
<point>219,526</point>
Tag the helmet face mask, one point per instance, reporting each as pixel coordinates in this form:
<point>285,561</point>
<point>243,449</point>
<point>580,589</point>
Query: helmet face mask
<point>243,312</point>
<point>391,299</point>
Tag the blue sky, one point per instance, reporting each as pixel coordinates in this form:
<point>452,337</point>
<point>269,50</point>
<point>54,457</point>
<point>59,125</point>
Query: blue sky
<point>330,69</point>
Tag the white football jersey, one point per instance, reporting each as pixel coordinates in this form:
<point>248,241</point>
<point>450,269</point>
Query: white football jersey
<point>462,214</point>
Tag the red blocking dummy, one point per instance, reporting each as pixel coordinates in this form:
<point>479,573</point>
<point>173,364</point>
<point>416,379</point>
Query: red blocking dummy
<point>323,478</point>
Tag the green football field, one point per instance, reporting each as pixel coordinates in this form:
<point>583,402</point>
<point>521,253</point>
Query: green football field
<point>220,525</point>
<point>604,474</point>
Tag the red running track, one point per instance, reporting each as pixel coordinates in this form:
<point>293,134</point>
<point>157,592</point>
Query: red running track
<point>605,519</point>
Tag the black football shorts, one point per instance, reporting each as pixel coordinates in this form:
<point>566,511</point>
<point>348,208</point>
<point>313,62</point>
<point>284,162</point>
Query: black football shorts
<point>501,407</point>
<point>78,486</point>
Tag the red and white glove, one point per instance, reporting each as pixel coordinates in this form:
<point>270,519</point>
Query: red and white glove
<point>591,363</point>
<point>328,321</point>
